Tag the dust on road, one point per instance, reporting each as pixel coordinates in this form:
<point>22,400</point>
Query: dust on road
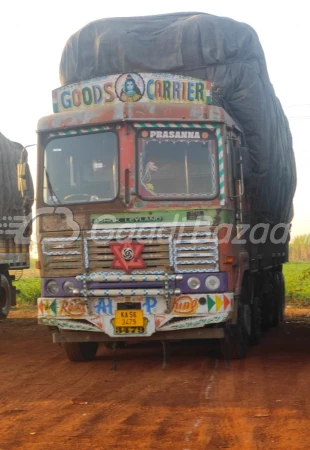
<point>47,402</point>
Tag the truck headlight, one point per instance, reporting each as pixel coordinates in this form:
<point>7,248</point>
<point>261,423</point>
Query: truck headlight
<point>52,287</point>
<point>212,282</point>
<point>68,287</point>
<point>193,283</point>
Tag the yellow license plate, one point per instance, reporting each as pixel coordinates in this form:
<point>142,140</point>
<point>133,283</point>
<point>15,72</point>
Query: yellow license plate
<point>129,318</point>
<point>129,330</point>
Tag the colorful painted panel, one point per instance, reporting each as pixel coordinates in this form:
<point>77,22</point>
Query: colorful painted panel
<point>132,87</point>
<point>74,308</point>
<point>195,322</point>
<point>69,324</point>
<point>182,305</point>
<point>191,304</point>
<point>187,311</point>
<point>77,308</point>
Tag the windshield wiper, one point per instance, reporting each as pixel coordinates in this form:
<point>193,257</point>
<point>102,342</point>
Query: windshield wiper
<point>50,188</point>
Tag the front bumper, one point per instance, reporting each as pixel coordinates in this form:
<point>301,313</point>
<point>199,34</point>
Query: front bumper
<point>97,314</point>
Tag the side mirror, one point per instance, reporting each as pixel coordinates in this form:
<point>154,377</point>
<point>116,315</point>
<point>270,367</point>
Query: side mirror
<point>25,184</point>
<point>22,176</point>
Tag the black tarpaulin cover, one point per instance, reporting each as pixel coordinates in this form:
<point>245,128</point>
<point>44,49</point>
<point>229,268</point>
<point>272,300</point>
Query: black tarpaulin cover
<point>221,50</point>
<point>12,202</point>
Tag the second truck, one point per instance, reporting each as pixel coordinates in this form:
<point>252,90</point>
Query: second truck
<point>16,198</point>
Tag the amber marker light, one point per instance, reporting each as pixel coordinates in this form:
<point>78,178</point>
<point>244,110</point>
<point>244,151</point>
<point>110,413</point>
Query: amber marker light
<point>229,259</point>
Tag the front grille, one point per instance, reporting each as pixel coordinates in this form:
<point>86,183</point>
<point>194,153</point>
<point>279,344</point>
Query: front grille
<point>155,252</point>
<point>62,256</point>
<point>166,251</point>
<point>196,252</point>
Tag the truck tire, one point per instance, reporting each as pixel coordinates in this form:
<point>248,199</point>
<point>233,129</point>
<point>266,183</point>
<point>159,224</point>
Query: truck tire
<point>279,299</point>
<point>256,318</point>
<point>236,344</point>
<point>81,351</point>
<point>269,304</point>
<point>5,296</point>
<point>281,293</point>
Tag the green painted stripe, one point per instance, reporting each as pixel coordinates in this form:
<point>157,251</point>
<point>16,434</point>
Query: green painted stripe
<point>79,131</point>
<point>221,162</point>
<point>160,216</point>
<point>178,125</point>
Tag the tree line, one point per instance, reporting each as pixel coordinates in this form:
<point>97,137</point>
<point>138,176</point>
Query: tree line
<point>299,248</point>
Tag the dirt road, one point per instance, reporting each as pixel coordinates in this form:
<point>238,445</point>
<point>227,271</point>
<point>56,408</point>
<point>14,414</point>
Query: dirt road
<point>46,402</point>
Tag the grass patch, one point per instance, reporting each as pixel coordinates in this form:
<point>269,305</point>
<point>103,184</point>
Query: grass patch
<point>297,283</point>
<point>30,290</point>
<point>29,286</point>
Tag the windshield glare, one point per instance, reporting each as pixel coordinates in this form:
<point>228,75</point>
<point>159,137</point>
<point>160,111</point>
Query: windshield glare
<point>177,168</point>
<point>80,169</point>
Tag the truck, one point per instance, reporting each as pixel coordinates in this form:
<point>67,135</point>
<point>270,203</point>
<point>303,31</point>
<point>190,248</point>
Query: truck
<point>166,176</point>
<point>16,200</point>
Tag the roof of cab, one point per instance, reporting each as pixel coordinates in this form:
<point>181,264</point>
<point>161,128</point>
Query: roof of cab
<point>135,112</point>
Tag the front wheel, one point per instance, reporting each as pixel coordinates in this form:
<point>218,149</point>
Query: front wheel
<point>236,343</point>
<point>5,296</point>
<point>81,351</point>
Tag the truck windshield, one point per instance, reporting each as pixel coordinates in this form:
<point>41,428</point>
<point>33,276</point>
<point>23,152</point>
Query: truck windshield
<point>80,169</point>
<point>177,164</point>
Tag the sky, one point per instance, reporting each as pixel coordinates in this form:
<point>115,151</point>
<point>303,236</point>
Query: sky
<point>33,35</point>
